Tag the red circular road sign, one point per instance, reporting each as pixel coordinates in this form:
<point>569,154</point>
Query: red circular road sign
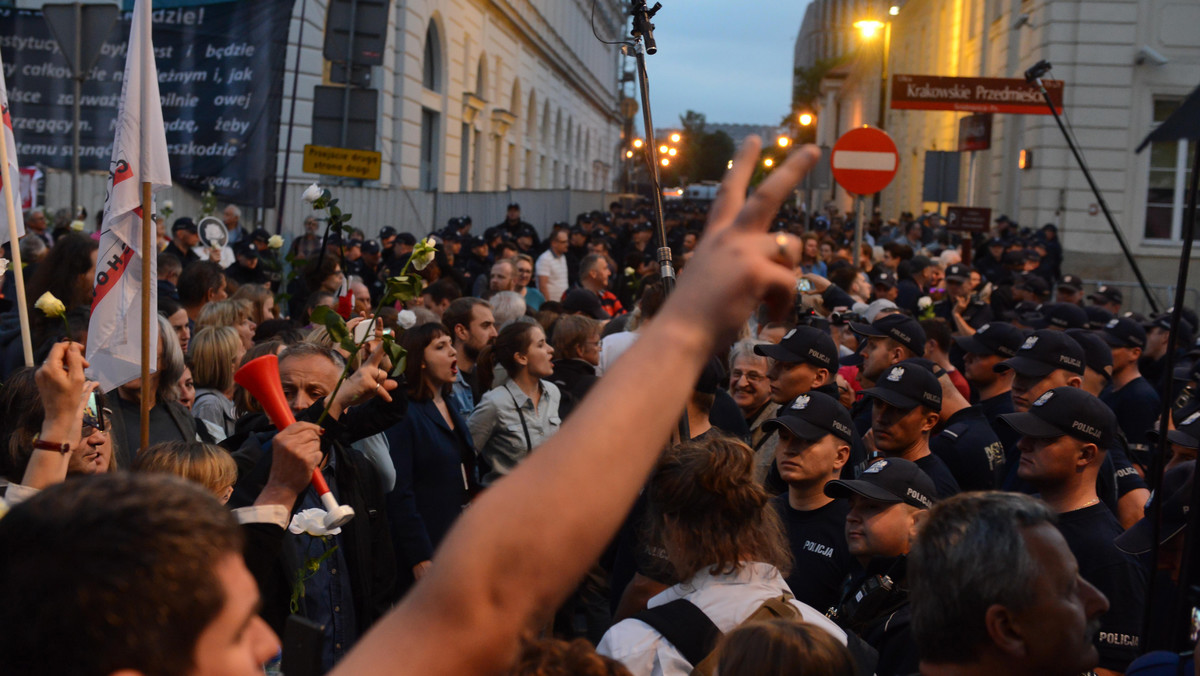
<point>864,160</point>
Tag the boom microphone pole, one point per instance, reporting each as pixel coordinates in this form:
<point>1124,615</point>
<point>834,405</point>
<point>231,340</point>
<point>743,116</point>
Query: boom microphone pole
<point>643,44</point>
<point>1034,76</point>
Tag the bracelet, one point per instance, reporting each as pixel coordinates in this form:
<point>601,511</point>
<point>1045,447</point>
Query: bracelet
<point>41,444</point>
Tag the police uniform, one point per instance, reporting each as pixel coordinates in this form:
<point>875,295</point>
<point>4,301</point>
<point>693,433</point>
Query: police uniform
<point>971,450</point>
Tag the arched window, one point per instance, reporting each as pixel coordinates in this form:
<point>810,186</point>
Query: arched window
<point>481,78</point>
<point>432,66</point>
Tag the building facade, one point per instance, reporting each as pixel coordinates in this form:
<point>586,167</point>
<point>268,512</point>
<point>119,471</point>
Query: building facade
<point>1125,64</point>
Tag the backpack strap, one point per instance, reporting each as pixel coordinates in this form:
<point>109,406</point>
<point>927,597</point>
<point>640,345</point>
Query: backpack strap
<point>685,626</point>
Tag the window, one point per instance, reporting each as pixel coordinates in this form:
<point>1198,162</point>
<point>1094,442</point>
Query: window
<point>1170,169</point>
<point>464,166</point>
<point>432,67</point>
<point>429,149</point>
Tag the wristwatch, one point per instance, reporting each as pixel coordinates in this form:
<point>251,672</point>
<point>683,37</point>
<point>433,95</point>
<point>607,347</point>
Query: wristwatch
<point>41,444</point>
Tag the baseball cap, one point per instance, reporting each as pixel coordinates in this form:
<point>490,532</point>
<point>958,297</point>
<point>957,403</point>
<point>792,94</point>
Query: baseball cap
<point>886,278</point>
<point>371,246</point>
<point>406,238</point>
<point>183,223</point>
<point>1073,282</point>
<point>355,242</point>
<point>1043,352</point>
<point>1124,332</point>
<point>1066,411</point>
<point>907,385</point>
<point>803,344</point>
<point>260,235</point>
<point>1033,284</point>
<point>1064,316</point>
<point>1097,355</point>
<point>958,273</point>
<point>994,338</point>
<point>893,480</point>
<point>1013,258</point>
<point>1161,663</point>
<point>476,242</point>
<point>877,308</point>
<point>513,205</point>
<point>900,328</point>
<point>1106,294</point>
<point>582,301</point>
<point>1186,432</point>
<point>813,415</point>
<point>1097,317</point>
<point>387,231</point>
<point>1177,487</point>
<point>246,249</point>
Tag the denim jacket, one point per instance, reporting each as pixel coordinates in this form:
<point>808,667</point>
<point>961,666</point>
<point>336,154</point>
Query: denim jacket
<point>496,426</point>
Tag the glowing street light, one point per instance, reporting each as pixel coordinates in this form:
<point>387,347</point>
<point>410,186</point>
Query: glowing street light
<point>672,152</point>
<point>638,143</point>
<point>628,154</point>
<point>768,163</point>
<point>894,10</point>
<point>666,162</point>
<point>663,148</point>
<point>869,28</point>
<point>806,119</point>
<point>675,137</point>
<point>783,141</point>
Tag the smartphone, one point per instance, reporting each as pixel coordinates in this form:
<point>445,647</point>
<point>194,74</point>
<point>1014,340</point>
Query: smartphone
<point>1195,632</point>
<point>803,285</point>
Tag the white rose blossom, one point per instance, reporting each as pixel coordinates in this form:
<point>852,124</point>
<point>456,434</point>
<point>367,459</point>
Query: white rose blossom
<point>169,205</point>
<point>406,319</point>
<point>275,241</point>
<point>924,302</point>
<point>423,254</point>
<point>311,521</point>
<point>312,193</point>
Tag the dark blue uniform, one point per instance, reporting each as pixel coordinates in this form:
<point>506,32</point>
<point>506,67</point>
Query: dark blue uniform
<point>1136,406</point>
<point>971,449</point>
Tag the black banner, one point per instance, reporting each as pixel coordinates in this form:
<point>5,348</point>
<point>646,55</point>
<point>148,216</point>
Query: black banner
<point>220,79</point>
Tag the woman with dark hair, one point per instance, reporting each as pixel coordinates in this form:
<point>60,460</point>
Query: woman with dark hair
<point>723,541</point>
<point>514,418</point>
<point>782,646</point>
<point>431,450</point>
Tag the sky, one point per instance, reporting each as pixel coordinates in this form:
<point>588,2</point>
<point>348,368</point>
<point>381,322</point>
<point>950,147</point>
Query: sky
<point>730,60</point>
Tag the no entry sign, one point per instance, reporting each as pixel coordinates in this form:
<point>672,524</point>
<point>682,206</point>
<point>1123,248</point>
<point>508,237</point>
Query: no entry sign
<point>864,160</point>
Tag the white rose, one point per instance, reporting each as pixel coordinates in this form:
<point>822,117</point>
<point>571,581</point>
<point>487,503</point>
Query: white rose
<point>406,319</point>
<point>423,254</point>
<point>924,302</point>
<point>312,193</point>
<point>169,205</point>
<point>78,226</point>
<point>311,521</point>
<point>275,241</point>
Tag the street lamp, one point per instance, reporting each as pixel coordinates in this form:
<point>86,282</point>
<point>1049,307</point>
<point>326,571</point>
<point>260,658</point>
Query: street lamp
<point>672,152</point>
<point>675,137</point>
<point>663,149</point>
<point>806,119</point>
<point>638,143</point>
<point>666,162</point>
<point>869,28</point>
<point>783,141</point>
<point>768,163</point>
<point>628,154</point>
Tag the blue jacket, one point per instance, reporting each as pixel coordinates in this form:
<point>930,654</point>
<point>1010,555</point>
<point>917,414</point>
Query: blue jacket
<point>431,488</point>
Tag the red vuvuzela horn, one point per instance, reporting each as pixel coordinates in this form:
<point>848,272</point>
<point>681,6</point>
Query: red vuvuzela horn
<point>260,377</point>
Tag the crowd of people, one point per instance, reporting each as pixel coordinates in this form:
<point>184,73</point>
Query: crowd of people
<point>896,461</point>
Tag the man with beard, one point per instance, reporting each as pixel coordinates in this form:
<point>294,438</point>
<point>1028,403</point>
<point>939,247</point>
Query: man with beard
<point>1064,435</point>
<point>472,328</point>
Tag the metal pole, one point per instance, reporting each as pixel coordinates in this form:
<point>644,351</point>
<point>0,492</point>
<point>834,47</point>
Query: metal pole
<point>883,61</point>
<point>971,180</point>
<point>287,152</point>
<point>147,248</point>
<point>75,108</point>
<point>1112,223</point>
<point>858,226</point>
<point>1184,598</point>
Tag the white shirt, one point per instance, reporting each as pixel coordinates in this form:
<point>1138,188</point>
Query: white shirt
<point>613,346</point>
<point>727,600</point>
<point>555,268</point>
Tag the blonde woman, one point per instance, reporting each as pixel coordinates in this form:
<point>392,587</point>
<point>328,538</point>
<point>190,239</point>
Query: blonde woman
<point>234,313</point>
<point>206,464</point>
<point>215,354</point>
<point>262,302</point>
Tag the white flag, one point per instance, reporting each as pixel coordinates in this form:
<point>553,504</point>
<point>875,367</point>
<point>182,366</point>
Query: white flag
<point>139,155</point>
<point>13,168</point>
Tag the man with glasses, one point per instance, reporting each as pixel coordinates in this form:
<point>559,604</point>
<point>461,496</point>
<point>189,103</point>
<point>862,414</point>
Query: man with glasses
<point>751,391</point>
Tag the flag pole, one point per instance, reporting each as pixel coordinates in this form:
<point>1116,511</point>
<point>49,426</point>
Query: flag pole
<point>147,245</point>
<point>15,246</point>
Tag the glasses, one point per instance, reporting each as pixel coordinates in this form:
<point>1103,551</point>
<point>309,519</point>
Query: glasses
<point>93,422</point>
<point>750,376</point>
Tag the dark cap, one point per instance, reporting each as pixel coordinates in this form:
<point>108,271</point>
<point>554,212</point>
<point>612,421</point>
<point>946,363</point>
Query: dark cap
<point>406,238</point>
<point>513,205</point>
<point>907,385</point>
<point>1124,332</point>
<point>1073,282</point>
<point>1013,258</point>
<point>1064,316</point>
<point>1043,352</point>
<point>994,338</point>
<point>900,328</point>
<point>803,344</point>
<point>893,480</point>
<point>246,249</point>
<point>1186,432</point>
<point>582,301</point>
<point>1106,294</point>
<point>183,223</point>
<point>1097,355</point>
<point>355,242</point>
<point>1033,284</point>
<point>260,235</point>
<point>1002,219</point>
<point>387,231</point>
<point>477,242</point>
<point>371,246</point>
<point>886,278</point>
<point>1097,316</point>
<point>813,415</point>
<point>918,263</point>
<point>958,273</point>
<point>1177,487</point>
<point>1066,411</point>
<point>995,241</point>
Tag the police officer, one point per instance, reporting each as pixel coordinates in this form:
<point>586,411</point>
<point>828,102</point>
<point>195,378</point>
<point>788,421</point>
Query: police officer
<point>1064,434</point>
<point>815,435</point>
<point>513,228</point>
<point>989,345</point>
<point>1132,397</point>
<point>963,438</point>
<point>906,406</point>
<point>961,307</point>
<point>889,340</point>
<point>806,359</point>
<point>888,504</point>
